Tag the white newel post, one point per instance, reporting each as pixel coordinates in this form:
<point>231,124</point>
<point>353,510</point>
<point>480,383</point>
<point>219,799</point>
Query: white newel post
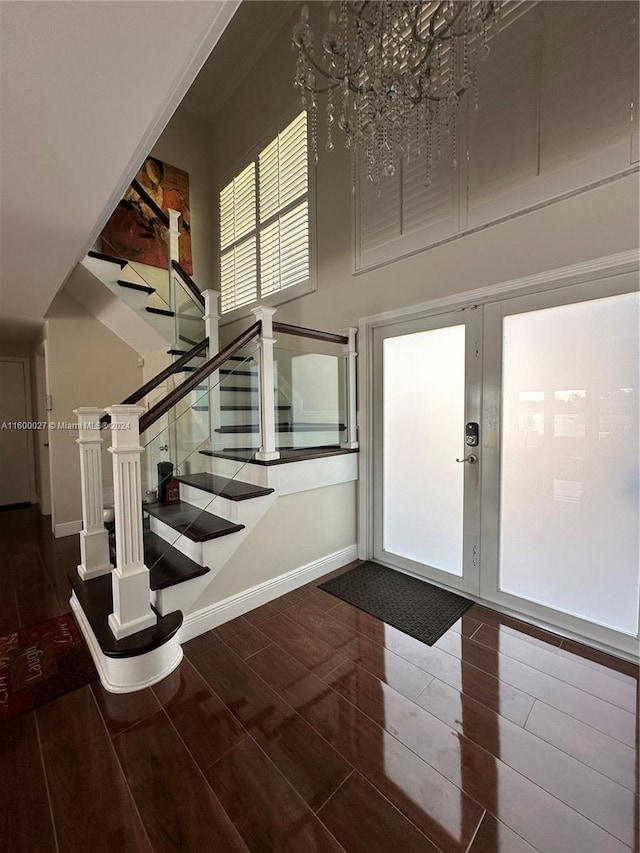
<point>266,342</point>
<point>94,537</point>
<point>351,440</point>
<point>211,325</point>
<point>131,591</point>
<point>174,255</point>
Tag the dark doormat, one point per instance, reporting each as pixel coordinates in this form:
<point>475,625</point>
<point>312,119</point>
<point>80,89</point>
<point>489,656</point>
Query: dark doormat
<point>413,606</point>
<point>41,663</point>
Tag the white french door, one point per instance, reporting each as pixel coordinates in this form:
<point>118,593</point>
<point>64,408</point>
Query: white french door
<point>560,533</point>
<point>426,480</point>
<point>542,517</point>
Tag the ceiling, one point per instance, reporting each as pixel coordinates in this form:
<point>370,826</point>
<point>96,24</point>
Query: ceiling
<point>86,88</point>
<point>247,35</point>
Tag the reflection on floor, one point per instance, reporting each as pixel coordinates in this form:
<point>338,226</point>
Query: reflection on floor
<point>308,725</point>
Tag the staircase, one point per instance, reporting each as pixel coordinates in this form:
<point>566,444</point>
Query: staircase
<point>229,428</point>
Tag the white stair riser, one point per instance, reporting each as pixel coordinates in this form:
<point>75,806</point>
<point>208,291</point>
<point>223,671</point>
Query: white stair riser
<point>238,398</point>
<point>215,504</point>
<point>215,554</point>
<point>180,596</point>
<point>258,475</point>
<point>283,439</point>
<point>237,380</point>
<point>181,543</point>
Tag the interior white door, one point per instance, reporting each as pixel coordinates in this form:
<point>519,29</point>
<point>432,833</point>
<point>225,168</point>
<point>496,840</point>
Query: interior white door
<point>560,538</point>
<point>15,469</point>
<point>426,479</point>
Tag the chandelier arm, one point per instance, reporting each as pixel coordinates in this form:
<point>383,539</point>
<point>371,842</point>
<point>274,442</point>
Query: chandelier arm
<point>432,25</point>
<point>334,80</point>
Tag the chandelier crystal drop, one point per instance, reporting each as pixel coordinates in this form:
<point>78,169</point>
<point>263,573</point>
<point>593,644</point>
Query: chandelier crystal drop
<point>394,74</point>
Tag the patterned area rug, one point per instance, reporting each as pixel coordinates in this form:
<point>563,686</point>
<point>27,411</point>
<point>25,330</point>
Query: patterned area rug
<point>413,606</point>
<point>40,663</point>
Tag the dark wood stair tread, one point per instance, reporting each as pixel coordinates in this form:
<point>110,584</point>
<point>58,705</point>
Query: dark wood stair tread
<point>101,256</point>
<point>234,490</point>
<point>164,312</point>
<point>96,598</point>
<point>287,454</point>
<point>250,408</point>
<point>240,428</point>
<point>251,388</point>
<point>237,372</point>
<point>194,523</point>
<point>167,565</point>
<point>132,285</point>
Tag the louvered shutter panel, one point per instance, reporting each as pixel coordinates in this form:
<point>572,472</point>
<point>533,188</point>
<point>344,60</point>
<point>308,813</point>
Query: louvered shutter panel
<point>378,218</point>
<point>238,259</point>
<point>284,224</point>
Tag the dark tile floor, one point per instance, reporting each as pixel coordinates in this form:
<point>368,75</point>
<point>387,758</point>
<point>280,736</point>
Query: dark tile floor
<point>308,725</point>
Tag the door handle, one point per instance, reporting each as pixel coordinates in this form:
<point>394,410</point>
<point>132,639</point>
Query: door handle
<point>472,459</point>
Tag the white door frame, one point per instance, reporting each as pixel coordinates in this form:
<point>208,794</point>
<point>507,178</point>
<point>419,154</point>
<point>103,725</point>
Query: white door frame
<point>598,268</point>
<point>471,318</point>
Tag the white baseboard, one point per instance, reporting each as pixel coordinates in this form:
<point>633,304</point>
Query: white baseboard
<point>68,528</point>
<point>236,605</point>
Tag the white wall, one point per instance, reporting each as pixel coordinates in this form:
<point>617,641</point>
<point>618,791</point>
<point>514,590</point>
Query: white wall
<point>184,143</point>
<point>297,530</point>
<point>87,365</point>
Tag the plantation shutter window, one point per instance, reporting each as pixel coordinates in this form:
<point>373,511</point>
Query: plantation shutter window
<point>264,221</point>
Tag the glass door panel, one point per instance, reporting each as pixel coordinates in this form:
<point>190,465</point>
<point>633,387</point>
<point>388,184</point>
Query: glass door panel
<point>569,459</point>
<point>560,492</point>
<point>423,433</point>
<point>427,379</point>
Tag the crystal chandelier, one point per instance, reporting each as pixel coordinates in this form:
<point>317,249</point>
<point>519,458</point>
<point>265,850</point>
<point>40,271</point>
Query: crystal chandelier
<point>394,74</point>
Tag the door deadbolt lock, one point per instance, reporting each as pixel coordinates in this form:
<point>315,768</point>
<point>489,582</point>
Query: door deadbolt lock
<point>471,434</point>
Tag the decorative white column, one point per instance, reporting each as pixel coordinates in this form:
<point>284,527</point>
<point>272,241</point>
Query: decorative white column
<point>131,591</point>
<point>351,439</point>
<point>94,537</point>
<point>174,255</point>
<point>211,325</point>
<point>266,342</point>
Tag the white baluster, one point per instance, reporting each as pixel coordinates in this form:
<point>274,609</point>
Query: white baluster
<point>131,591</point>
<point>266,343</point>
<point>351,439</point>
<point>94,537</point>
<point>211,325</point>
<point>174,255</point>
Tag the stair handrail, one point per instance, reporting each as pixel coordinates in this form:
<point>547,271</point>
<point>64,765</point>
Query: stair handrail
<point>314,334</point>
<point>198,376</point>
<point>159,378</point>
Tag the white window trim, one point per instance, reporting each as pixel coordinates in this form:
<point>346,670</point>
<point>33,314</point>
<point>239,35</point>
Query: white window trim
<point>295,291</point>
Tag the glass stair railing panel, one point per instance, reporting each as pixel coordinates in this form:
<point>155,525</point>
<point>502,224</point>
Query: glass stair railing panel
<point>185,491</point>
<point>190,328</point>
<point>194,424</point>
<point>310,398</point>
